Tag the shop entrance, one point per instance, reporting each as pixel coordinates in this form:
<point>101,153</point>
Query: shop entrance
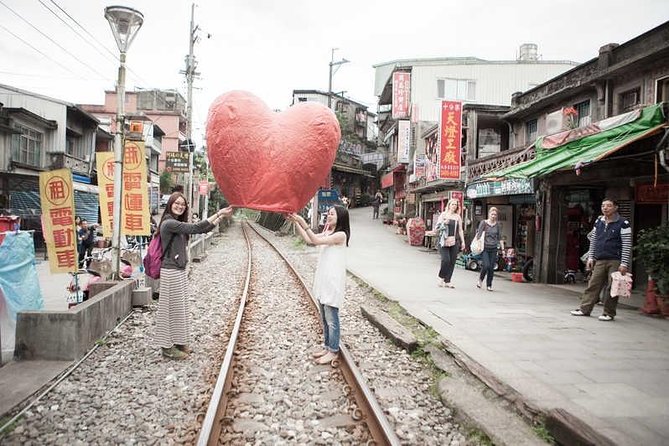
<point>583,207</point>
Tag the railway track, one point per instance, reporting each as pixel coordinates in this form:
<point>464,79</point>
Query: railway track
<point>268,351</point>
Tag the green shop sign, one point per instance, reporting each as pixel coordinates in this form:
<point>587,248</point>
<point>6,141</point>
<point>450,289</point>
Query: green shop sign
<point>511,186</point>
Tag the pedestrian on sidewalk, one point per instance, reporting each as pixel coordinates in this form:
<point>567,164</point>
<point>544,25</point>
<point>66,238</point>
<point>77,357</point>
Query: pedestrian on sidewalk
<point>610,251</point>
<point>376,202</point>
<point>490,246</point>
<point>451,241</point>
<point>330,278</point>
<point>172,320</point>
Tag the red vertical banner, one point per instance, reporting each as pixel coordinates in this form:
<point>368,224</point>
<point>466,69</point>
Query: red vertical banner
<point>450,136</point>
<point>401,94</point>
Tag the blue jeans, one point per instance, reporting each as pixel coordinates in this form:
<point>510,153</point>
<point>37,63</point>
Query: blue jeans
<point>489,259</point>
<point>330,319</point>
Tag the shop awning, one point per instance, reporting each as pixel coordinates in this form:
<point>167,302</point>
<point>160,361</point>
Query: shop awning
<point>349,169</point>
<point>570,149</point>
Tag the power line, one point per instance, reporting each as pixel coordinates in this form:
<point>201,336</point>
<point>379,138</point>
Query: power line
<point>52,41</point>
<point>48,57</point>
<point>92,37</point>
<point>78,34</point>
<point>85,30</point>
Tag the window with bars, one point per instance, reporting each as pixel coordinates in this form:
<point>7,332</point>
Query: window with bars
<point>27,146</point>
<point>458,89</point>
<point>630,99</point>
<point>583,113</point>
<point>531,131</point>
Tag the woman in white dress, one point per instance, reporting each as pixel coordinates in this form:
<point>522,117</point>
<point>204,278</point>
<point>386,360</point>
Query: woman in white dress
<point>330,278</point>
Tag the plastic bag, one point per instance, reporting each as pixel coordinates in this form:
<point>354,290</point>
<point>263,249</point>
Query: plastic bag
<point>621,285</point>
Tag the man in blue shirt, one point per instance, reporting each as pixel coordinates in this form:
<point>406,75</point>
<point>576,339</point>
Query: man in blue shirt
<point>610,251</point>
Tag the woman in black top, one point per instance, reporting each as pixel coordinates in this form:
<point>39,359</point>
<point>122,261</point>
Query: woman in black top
<point>492,239</point>
<point>172,321</point>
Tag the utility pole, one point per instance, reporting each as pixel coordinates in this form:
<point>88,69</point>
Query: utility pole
<point>190,73</point>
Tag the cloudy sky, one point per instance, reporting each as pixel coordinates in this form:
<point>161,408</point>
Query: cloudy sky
<point>270,47</point>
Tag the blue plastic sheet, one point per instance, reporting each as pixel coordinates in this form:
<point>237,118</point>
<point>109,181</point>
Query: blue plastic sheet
<point>18,275</point>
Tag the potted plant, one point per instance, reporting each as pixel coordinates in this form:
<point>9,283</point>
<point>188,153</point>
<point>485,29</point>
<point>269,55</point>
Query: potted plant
<point>652,250</point>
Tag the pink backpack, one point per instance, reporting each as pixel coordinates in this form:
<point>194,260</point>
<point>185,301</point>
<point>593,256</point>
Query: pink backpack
<point>154,256</point>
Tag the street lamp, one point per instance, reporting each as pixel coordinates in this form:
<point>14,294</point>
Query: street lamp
<point>124,23</point>
<point>337,65</point>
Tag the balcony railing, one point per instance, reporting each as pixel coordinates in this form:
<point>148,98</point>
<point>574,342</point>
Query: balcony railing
<point>479,167</point>
<point>64,161</point>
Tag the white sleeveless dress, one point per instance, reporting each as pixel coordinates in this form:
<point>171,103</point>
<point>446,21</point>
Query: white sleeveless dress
<point>330,277</point>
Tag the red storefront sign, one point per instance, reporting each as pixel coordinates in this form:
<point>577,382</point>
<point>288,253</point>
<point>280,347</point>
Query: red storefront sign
<point>450,131</point>
<point>401,94</point>
<point>387,180</point>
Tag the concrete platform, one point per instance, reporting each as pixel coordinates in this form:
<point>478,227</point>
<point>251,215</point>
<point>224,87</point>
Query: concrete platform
<point>612,376</point>
<point>21,379</point>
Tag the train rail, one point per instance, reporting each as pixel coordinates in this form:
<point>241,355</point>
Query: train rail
<point>365,409</point>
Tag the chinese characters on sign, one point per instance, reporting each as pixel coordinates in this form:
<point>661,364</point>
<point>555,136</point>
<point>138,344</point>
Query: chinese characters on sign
<point>176,162</point>
<point>105,164</point>
<point>57,201</point>
<point>450,132</point>
<point>135,202</point>
<point>401,94</point>
<point>403,141</point>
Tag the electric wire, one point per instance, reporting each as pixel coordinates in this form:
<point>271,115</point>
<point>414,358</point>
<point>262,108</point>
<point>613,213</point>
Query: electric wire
<point>48,57</point>
<point>116,58</point>
<point>53,41</point>
<point>84,29</point>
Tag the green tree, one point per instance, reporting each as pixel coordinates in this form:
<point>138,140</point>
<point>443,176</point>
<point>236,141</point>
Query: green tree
<point>166,182</point>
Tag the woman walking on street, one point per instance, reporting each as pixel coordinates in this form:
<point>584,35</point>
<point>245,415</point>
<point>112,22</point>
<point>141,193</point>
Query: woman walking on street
<point>330,277</point>
<point>451,241</point>
<point>492,239</point>
<point>173,319</point>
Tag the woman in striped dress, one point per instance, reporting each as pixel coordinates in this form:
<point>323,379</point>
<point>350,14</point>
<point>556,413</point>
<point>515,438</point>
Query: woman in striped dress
<point>173,324</point>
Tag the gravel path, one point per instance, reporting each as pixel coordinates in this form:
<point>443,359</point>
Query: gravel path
<point>127,393</point>
<point>278,395</point>
<point>404,386</point>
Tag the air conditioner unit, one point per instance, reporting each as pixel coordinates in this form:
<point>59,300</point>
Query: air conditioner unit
<point>554,122</point>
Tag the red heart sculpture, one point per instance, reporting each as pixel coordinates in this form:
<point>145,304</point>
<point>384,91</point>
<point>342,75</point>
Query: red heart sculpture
<point>266,160</point>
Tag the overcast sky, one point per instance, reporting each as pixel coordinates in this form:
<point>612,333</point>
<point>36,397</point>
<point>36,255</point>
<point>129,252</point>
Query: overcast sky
<point>270,47</point>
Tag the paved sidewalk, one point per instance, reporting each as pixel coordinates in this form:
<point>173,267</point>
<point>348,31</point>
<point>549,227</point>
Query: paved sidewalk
<point>614,376</point>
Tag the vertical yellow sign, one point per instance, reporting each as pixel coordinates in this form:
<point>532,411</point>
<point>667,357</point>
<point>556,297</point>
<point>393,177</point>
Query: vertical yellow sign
<point>105,164</point>
<point>57,201</point>
<point>135,212</point>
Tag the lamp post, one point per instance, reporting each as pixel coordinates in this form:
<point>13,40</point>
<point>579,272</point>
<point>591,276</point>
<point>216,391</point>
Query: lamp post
<point>124,23</point>
<point>332,72</point>
<point>335,65</point>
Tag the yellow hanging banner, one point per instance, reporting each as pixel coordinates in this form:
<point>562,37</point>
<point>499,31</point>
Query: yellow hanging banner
<point>105,164</point>
<point>57,202</point>
<point>135,213</point>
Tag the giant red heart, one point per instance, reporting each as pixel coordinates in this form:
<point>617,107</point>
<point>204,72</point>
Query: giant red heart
<point>267,160</point>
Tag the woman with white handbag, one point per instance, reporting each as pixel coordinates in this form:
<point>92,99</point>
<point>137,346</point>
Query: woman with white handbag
<point>488,233</point>
<point>451,241</point>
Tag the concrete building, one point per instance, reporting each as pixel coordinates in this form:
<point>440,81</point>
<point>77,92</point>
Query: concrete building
<point>590,133</point>
<point>479,84</point>
<point>163,114</point>
<point>354,172</point>
<point>39,133</point>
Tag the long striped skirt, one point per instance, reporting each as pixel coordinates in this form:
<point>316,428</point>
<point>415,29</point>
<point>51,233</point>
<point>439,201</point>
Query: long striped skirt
<point>173,320</point>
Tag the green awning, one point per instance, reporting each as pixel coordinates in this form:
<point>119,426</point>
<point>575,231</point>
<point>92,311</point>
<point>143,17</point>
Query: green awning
<point>604,138</point>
